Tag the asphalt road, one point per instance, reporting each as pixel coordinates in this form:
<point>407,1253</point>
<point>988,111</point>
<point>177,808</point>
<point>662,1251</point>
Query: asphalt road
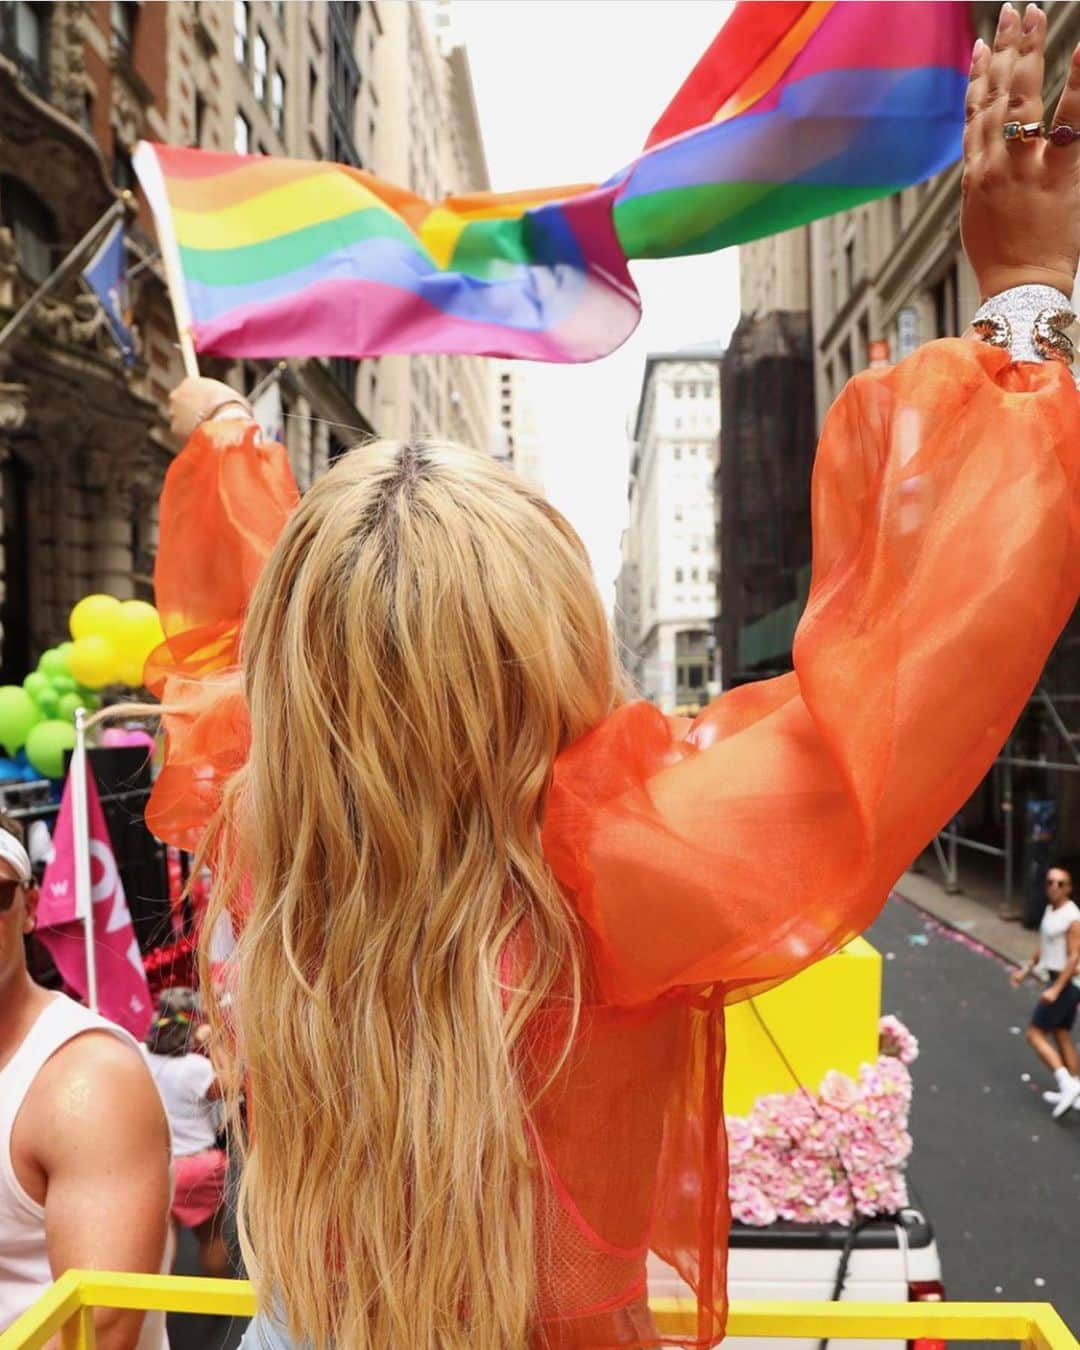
<point>998,1178</point>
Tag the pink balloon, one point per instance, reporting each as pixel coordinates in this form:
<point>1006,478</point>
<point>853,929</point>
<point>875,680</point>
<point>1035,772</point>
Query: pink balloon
<point>120,737</point>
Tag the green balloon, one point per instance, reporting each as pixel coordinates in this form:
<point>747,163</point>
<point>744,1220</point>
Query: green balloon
<point>90,701</point>
<point>18,714</point>
<point>48,701</point>
<point>35,684</point>
<point>63,684</point>
<point>54,662</point>
<point>69,705</point>
<point>65,650</point>
<point>46,746</point>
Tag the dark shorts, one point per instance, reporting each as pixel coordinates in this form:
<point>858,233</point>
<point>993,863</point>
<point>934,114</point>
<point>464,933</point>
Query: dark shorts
<point>1061,1014</point>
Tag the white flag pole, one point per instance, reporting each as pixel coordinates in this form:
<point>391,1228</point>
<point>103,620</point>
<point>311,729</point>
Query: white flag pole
<point>152,180</point>
<point>80,823</point>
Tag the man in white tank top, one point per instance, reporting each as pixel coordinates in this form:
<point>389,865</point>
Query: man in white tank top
<point>84,1144</point>
<point>1058,956</point>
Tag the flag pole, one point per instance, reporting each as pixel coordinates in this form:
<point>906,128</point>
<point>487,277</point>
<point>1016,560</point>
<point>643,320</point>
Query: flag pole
<point>80,828</point>
<point>65,268</point>
<point>152,181</point>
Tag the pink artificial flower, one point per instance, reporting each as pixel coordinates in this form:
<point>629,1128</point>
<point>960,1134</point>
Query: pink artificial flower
<point>838,1090</point>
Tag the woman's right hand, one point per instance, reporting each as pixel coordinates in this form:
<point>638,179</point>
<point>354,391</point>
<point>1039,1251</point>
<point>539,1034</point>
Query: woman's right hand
<point>1020,217</point>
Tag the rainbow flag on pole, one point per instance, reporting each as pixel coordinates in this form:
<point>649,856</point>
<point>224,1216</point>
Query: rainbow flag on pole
<point>794,112</point>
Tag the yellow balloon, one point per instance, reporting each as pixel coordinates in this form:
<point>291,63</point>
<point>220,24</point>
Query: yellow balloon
<point>131,673</point>
<point>91,615</point>
<point>134,630</point>
<point>93,661</point>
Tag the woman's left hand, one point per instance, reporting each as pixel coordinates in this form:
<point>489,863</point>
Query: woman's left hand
<point>194,398</point>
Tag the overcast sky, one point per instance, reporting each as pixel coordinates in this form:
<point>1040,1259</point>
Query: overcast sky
<point>567,92</point>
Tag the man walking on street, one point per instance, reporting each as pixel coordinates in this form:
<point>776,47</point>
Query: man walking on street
<point>1050,1032</point>
<point>84,1144</point>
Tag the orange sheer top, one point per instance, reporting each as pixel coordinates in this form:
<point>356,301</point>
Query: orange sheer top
<point>712,859</point>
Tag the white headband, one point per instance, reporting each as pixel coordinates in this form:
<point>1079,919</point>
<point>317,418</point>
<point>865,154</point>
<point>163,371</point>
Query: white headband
<point>12,852</point>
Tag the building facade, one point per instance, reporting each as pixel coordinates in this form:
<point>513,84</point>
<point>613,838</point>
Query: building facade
<point>83,448</point>
<point>83,439</point>
<point>517,438</point>
<point>667,587</point>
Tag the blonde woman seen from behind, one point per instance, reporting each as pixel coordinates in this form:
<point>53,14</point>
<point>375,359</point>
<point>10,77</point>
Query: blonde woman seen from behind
<point>490,909</point>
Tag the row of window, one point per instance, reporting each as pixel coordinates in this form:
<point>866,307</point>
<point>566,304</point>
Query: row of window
<point>697,574</point>
<point>692,450</point>
<point>268,84</point>
<point>691,388</point>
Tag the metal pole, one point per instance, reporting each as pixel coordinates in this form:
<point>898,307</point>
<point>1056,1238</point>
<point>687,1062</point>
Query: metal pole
<point>1007,823</point>
<point>80,825</point>
<point>952,883</point>
<point>65,268</point>
<point>267,380</point>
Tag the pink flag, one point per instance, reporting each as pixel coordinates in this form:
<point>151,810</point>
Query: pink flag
<point>123,993</point>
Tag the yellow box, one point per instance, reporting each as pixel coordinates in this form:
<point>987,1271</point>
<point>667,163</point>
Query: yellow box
<point>825,1018</point>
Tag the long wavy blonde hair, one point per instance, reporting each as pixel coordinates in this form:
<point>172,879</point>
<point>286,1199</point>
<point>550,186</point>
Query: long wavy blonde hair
<point>424,639</point>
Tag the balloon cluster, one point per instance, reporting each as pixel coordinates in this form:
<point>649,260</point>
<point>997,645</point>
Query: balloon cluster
<point>111,641</point>
<point>113,638</point>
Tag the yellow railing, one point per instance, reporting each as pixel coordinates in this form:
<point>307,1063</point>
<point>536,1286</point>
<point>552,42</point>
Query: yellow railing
<point>68,1307</point>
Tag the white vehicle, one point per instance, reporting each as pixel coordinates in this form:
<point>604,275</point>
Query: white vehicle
<point>886,1260</point>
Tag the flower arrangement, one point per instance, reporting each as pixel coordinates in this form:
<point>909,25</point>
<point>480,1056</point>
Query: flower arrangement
<point>830,1156</point>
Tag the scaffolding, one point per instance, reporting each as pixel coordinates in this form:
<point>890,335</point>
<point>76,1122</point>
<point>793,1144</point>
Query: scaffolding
<point>947,844</point>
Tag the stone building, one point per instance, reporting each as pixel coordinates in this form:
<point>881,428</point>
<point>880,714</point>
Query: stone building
<point>82,444</point>
<point>667,585</point>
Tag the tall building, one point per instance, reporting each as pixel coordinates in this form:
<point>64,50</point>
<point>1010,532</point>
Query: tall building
<point>517,439</point>
<point>669,565</point>
<point>83,446</point>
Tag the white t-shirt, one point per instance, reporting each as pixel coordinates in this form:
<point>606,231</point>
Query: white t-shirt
<point>184,1081</point>
<point>1054,952</point>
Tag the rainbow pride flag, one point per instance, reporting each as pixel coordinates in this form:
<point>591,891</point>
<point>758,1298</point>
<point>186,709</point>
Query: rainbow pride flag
<point>795,111</point>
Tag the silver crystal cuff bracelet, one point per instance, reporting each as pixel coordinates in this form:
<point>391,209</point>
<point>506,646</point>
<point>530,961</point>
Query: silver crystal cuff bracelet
<point>1029,322</point>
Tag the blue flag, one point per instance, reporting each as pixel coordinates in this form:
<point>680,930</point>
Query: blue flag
<point>105,274</point>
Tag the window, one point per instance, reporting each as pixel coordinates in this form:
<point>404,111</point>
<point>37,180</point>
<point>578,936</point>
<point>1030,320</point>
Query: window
<point>242,135</point>
<point>241,31</point>
<point>693,450</point>
<point>260,67</point>
<point>678,576</point>
<point>312,87</point>
<point>849,265</point>
<point>896,201</point>
<point>695,544</point>
<point>122,17</point>
<point>691,389</point>
<point>200,117</point>
<point>32,226</point>
<point>678,451</point>
<point>677,387</point>
<point>695,574</point>
<point>24,36</point>
<point>695,677</point>
<point>678,514</point>
<point>278,98</point>
<point>844,357</point>
<point>123,169</point>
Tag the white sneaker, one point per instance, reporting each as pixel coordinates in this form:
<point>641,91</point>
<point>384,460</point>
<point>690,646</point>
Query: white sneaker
<point>1070,1095</point>
<point>1052,1097</point>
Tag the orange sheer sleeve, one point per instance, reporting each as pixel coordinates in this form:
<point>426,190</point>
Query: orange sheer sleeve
<point>946,562</point>
<point>225,500</point>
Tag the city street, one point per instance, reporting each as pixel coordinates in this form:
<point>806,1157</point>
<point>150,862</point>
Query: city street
<point>998,1178</point>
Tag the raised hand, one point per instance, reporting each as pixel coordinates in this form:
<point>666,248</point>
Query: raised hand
<point>1020,218</point>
